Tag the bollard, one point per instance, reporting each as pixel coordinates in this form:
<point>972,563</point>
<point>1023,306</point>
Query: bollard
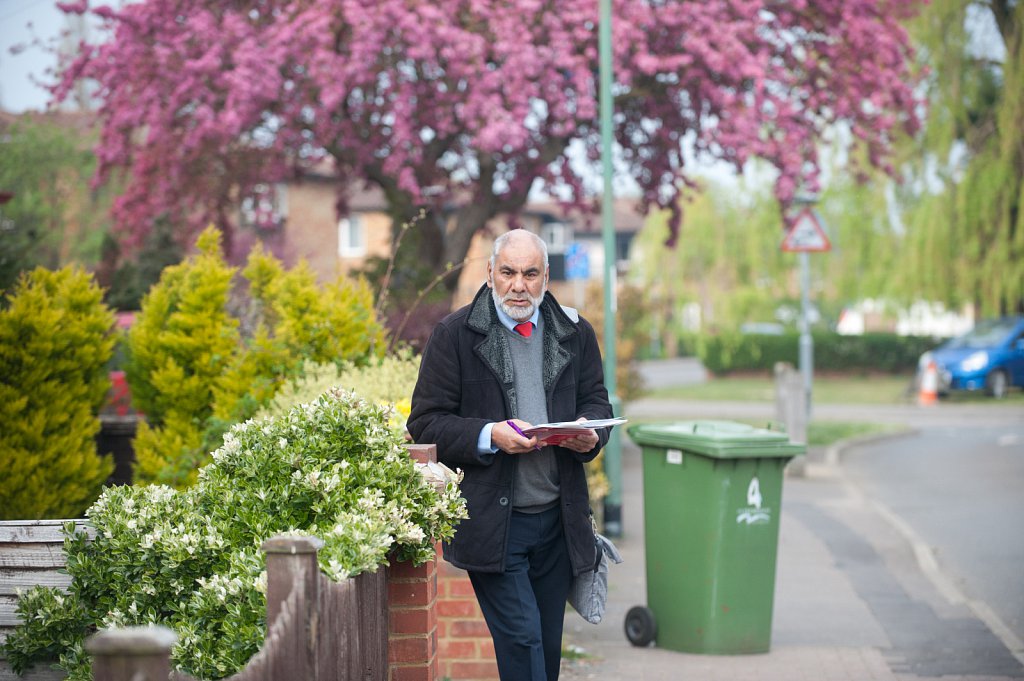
<point>791,402</point>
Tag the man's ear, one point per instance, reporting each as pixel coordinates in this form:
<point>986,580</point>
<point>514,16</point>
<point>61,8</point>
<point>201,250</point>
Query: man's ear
<point>490,278</point>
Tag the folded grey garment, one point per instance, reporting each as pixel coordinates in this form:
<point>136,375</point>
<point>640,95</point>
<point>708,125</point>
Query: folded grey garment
<point>588,593</point>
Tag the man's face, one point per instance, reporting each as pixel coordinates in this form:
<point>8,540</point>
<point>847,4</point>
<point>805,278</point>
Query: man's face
<point>518,278</point>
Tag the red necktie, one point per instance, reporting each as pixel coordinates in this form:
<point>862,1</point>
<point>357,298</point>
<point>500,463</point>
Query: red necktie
<point>524,329</point>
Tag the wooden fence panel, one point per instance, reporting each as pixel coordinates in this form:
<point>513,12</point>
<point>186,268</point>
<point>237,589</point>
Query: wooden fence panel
<point>339,624</point>
<point>31,554</point>
<point>370,625</point>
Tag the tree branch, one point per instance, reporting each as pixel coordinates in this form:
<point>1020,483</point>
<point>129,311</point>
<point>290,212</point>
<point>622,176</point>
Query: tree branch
<point>1003,14</point>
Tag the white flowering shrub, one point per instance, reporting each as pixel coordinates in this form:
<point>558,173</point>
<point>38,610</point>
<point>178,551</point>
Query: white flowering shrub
<point>191,560</point>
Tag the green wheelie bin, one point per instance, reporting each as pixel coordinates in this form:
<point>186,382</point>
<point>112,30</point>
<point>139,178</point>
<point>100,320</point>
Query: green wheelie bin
<point>712,499</point>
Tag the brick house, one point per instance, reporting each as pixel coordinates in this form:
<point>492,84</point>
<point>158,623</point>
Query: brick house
<point>306,226</point>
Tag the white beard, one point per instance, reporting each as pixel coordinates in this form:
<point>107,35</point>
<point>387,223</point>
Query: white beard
<point>519,314</point>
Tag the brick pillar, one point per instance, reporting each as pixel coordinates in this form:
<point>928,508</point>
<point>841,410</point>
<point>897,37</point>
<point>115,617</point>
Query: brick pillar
<point>464,643</point>
<point>412,622</point>
<point>412,609</point>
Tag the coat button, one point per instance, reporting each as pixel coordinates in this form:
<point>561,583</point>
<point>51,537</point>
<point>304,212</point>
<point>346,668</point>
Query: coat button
<point>503,501</point>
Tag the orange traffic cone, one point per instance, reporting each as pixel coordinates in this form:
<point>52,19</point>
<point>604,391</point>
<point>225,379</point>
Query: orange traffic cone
<point>929,392</point>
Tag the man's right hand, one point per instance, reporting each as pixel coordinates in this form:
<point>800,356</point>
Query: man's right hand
<point>505,438</point>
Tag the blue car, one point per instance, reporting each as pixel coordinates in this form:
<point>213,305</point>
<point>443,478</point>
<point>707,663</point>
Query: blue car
<point>990,357</point>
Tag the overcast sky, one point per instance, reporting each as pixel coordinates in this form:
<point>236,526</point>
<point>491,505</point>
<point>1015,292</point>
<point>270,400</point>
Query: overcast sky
<point>22,22</point>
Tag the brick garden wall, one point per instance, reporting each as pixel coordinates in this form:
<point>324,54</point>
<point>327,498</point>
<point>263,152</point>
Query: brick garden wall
<point>464,643</point>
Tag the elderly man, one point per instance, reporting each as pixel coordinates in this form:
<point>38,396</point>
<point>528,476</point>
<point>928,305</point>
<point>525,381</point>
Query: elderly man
<point>511,358</point>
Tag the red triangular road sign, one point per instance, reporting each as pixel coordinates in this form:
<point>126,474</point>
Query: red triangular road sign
<point>806,234</point>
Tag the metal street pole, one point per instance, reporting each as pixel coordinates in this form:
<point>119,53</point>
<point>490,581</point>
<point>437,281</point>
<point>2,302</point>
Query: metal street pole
<point>806,340</point>
<point>613,450</point>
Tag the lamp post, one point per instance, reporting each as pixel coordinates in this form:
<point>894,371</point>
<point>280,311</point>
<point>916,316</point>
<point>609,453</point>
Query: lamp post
<point>613,450</point>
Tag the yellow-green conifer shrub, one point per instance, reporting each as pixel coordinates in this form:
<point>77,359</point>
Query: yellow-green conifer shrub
<point>180,350</point>
<point>329,323</point>
<point>198,361</point>
<point>56,337</point>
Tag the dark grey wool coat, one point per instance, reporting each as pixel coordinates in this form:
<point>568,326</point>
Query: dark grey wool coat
<point>465,382</point>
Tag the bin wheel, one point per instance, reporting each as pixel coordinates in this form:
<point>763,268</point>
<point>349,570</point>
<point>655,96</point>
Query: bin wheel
<point>641,628</point>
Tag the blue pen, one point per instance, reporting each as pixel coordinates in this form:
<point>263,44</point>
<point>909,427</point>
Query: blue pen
<point>518,430</point>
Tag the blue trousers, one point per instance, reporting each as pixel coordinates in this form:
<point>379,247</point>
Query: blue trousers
<point>524,606</point>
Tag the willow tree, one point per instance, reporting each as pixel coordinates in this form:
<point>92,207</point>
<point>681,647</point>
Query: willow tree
<point>729,263</point>
<point>732,265</point>
<point>963,212</point>
<point>462,106</point>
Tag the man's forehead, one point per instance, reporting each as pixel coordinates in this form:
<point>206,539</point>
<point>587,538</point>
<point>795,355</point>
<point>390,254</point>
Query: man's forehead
<point>520,264</point>
<point>520,254</point>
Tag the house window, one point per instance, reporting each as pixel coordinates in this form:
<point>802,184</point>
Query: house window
<point>265,207</point>
<point>351,237</point>
<point>556,235</point>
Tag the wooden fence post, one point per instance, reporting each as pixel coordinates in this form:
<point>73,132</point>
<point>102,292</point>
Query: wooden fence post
<point>131,654</point>
<point>293,583</point>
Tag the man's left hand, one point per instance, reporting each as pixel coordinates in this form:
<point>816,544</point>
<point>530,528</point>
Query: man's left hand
<point>583,442</point>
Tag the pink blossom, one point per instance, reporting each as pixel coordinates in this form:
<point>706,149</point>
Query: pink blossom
<point>231,95</point>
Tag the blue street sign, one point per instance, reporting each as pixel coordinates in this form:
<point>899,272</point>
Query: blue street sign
<point>577,262</point>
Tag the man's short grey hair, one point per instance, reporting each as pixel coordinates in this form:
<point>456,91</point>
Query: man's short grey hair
<point>500,242</point>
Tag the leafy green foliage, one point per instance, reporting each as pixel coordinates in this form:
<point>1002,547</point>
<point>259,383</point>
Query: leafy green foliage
<point>181,353</point>
<point>55,340</point>
<point>388,379</point>
<point>962,203</point>
<point>127,279</point>
<point>190,560</point>
<point>54,216</point>
<point>202,356</point>
<point>329,323</point>
<point>728,262</point>
<point>628,318</point>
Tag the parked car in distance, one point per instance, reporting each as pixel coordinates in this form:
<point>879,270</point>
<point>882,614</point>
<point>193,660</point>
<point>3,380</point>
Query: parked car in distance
<point>989,357</point>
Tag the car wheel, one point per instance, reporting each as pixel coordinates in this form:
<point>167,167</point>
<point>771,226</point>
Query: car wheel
<point>996,384</point>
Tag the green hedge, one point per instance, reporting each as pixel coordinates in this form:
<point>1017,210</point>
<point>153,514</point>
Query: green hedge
<point>870,352</point>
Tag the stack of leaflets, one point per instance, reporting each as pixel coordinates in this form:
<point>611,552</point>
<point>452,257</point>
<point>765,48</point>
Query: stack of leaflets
<point>553,433</point>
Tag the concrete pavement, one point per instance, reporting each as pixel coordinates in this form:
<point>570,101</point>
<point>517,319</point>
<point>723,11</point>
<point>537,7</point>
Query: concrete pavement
<point>851,602</point>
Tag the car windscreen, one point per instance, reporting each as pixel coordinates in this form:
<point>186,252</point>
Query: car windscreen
<point>985,335</point>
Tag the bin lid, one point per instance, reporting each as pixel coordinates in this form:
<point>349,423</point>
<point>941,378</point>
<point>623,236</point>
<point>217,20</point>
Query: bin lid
<point>716,439</point>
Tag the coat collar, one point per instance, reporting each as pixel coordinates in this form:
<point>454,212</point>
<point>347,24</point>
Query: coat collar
<point>493,349</point>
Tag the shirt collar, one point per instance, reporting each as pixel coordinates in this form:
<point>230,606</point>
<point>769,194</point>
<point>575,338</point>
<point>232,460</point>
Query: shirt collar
<point>510,323</point>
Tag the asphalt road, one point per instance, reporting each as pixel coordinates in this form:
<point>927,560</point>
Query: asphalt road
<point>958,494</point>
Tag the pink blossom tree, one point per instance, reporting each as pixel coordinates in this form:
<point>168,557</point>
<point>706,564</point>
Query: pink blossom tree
<point>203,101</point>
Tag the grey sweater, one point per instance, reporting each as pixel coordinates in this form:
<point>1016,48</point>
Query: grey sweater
<point>536,481</point>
